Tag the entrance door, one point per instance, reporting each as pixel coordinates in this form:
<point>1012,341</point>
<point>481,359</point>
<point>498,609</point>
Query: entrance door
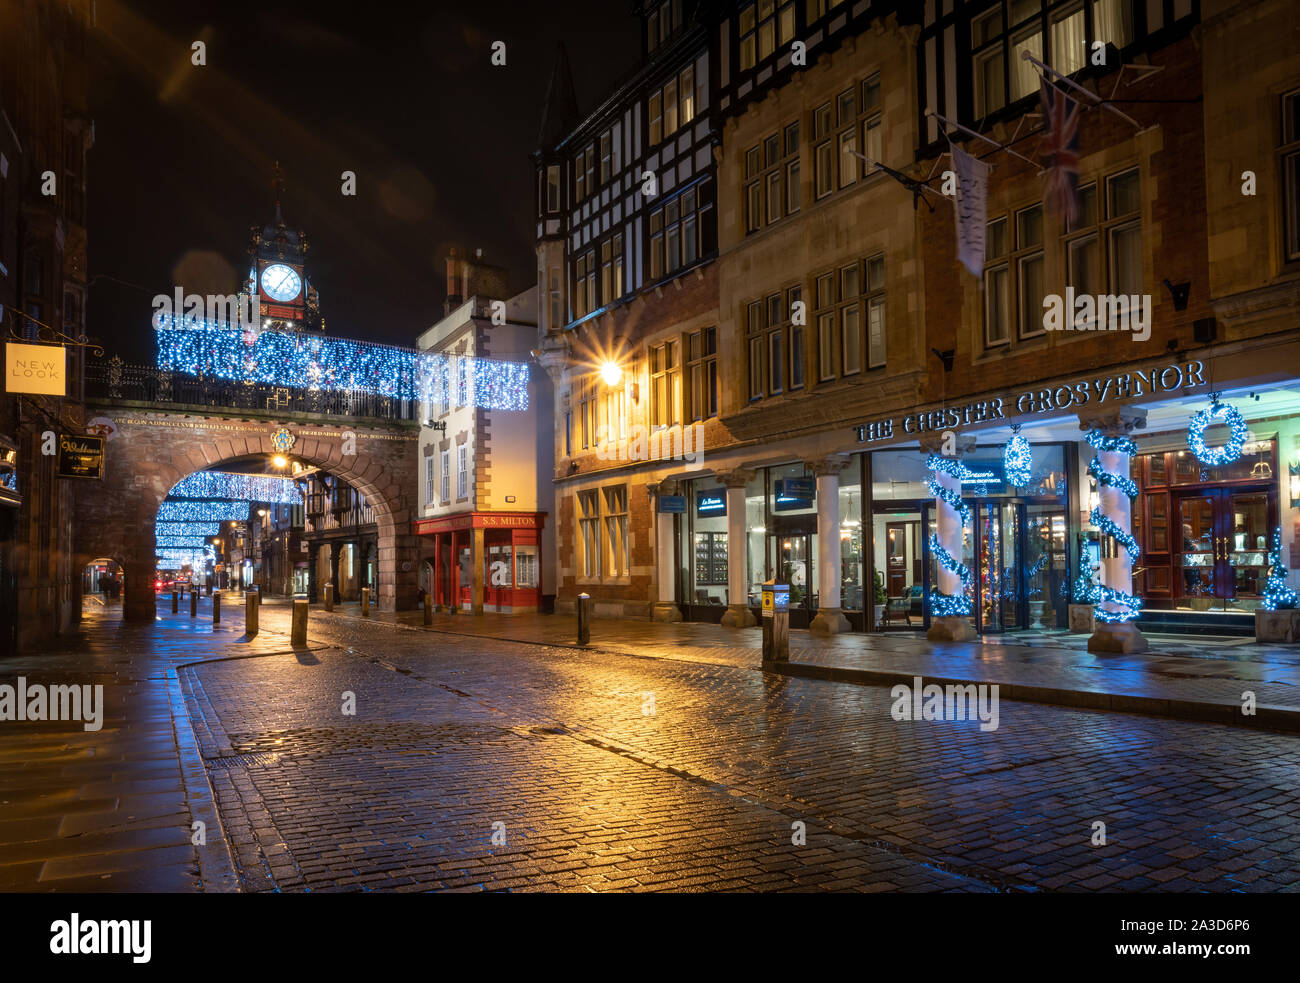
<point>998,582</point>
<point>795,552</point>
<point>1224,547</point>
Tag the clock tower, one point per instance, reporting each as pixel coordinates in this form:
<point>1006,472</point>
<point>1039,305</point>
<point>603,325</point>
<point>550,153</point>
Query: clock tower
<point>277,274</point>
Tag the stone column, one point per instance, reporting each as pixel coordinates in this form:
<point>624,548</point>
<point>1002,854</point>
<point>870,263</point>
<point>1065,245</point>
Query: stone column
<point>1115,505</point>
<point>665,608</point>
<point>948,628</point>
<point>830,619</point>
<point>738,614</point>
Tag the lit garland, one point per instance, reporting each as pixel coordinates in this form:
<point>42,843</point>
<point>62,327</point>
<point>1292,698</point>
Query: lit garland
<point>1017,459</point>
<point>1084,589</point>
<point>182,542</point>
<point>271,489</point>
<point>1230,451</point>
<point>187,528</point>
<point>1128,604</point>
<point>184,557</point>
<point>1277,595</point>
<point>199,510</point>
<point>318,362</point>
<point>941,604</point>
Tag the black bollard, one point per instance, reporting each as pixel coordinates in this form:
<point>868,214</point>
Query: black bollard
<point>194,603</point>
<point>176,602</point>
<point>584,619</point>
<point>216,608</point>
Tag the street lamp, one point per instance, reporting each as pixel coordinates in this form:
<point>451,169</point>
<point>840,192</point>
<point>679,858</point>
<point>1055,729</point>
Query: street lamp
<point>611,372</point>
<point>280,461</point>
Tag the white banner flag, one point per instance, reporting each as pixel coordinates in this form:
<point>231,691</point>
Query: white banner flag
<point>972,209</point>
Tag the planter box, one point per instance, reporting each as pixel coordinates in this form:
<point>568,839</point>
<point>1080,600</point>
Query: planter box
<point>1277,626</point>
<point>1082,619</point>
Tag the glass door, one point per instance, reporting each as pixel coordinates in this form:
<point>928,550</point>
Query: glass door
<point>1247,538</point>
<point>794,566</point>
<point>1199,580</point>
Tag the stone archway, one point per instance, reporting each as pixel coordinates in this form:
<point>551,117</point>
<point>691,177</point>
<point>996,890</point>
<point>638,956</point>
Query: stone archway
<point>150,452</point>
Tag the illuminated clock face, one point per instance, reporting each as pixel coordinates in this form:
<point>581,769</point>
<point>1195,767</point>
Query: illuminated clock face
<point>281,283</point>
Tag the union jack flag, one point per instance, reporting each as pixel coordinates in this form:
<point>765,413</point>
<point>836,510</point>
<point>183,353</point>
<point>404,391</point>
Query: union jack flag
<point>1060,148</point>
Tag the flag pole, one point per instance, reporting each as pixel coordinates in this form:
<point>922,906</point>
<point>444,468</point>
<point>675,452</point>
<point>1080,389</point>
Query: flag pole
<point>1097,100</point>
<point>910,183</point>
<point>978,136</point>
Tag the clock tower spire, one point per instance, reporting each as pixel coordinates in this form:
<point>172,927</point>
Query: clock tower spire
<point>278,271</point>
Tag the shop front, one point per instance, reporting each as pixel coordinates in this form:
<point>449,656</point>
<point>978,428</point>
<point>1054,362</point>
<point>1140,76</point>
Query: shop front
<point>505,549</point>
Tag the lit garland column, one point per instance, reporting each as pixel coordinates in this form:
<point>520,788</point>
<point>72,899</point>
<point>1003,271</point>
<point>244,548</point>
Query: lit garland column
<point>738,614</point>
<point>950,599</point>
<point>1117,608</point>
<point>666,608</point>
<point>830,619</point>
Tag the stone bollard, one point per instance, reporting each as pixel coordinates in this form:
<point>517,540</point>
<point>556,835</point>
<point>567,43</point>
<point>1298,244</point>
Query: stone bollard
<point>176,602</point>
<point>428,609</point>
<point>584,619</point>
<point>329,597</point>
<point>299,635</point>
<point>209,589</point>
<point>365,602</point>
<point>251,602</point>
<point>194,603</point>
<point>216,608</point>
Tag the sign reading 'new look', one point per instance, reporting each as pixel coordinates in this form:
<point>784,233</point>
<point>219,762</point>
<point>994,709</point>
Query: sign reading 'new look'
<point>37,369</point>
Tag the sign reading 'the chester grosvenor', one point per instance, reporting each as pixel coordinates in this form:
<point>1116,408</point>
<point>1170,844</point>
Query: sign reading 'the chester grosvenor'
<point>1138,382</point>
<point>37,369</point>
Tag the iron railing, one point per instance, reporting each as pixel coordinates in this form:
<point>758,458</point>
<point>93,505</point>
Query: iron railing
<point>114,379</point>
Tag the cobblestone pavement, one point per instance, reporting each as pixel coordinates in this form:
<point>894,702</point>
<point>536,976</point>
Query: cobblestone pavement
<point>474,763</point>
<point>453,734</point>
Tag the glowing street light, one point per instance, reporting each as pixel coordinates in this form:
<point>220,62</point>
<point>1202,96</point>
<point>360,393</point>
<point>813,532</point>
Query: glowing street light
<point>611,372</point>
<point>280,461</point>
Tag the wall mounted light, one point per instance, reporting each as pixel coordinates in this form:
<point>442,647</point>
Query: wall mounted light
<point>1294,471</point>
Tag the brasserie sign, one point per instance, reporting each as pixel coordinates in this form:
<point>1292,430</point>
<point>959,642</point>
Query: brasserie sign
<point>1139,382</point>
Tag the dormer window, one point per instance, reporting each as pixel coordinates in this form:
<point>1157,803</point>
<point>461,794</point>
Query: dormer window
<point>663,19</point>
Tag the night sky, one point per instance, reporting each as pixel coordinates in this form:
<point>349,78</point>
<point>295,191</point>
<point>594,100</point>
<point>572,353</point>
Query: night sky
<point>404,94</point>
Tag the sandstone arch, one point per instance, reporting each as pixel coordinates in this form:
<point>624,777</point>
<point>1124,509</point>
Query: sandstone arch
<point>151,451</point>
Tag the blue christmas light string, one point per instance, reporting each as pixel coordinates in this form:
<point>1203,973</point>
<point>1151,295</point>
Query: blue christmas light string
<point>1277,595</point>
<point>271,489</point>
<point>941,604</point>
<point>1017,458</point>
<point>320,362</point>
<point>1237,433</point>
<point>1129,604</point>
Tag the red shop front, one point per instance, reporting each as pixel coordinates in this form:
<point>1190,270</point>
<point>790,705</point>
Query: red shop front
<point>494,554</point>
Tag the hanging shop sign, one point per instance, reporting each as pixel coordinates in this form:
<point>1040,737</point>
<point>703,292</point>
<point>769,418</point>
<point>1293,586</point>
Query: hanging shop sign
<point>1094,392</point>
<point>794,493</point>
<point>673,504</point>
<point>40,370</point>
<point>713,502</point>
<point>81,456</point>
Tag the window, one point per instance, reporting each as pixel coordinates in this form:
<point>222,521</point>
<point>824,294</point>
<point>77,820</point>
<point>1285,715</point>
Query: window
<point>775,344</point>
<point>814,9</point>
<point>557,315</point>
<point>1029,269</point>
<point>553,188</point>
<point>616,412</point>
<point>444,463</point>
<point>589,532</point>
<point>1001,34</point>
<point>430,477</point>
<point>606,157</point>
<point>702,375</point>
<point>1124,232</point>
<point>675,232</point>
<point>616,547</point>
<point>462,471</point>
<point>1083,246</point>
<point>825,299</point>
<point>1290,161</point>
<point>665,384</point>
<point>584,284</point>
<point>526,566</point>
<point>850,319</point>
<point>762,27</point>
<point>611,268</point>
<point>875,305</point>
<point>997,285</point>
<point>772,178</point>
<point>673,106</point>
<point>462,381</point>
<point>1103,246</point>
<point>823,176</point>
<point>587,410</point>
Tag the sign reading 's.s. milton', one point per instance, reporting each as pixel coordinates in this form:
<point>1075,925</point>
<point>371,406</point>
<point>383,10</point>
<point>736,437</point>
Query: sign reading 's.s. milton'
<point>37,369</point>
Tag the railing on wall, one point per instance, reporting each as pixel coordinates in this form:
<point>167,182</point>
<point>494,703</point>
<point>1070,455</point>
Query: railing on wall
<point>114,379</point>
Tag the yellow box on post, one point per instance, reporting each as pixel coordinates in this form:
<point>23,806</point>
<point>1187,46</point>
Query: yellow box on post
<point>776,621</point>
